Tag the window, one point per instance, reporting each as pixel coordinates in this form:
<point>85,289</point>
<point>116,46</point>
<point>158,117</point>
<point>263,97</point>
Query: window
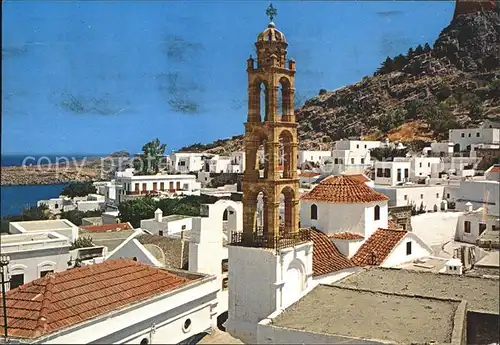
<point>470,135</point>
<point>16,280</point>
<point>377,212</point>
<point>336,161</point>
<point>160,232</point>
<point>225,282</point>
<point>478,135</point>
<point>352,160</point>
<point>406,173</point>
<point>183,227</point>
<point>162,186</point>
<point>56,206</point>
<point>225,265</point>
<point>429,164</point>
<point>187,325</point>
<point>362,161</point>
<point>178,185</point>
<point>437,195</point>
<point>482,227</point>
<point>357,146</point>
<point>447,195</point>
<point>467,227</point>
<point>44,273</point>
<point>365,146</point>
<point>408,248</point>
<point>312,158</point>
<point>144,341</point>
<point>380,172</point>
<point>387,172</point>
<point>182,163</point>
<point>406,197</point>
<point>144,186</point>
<point>399,175</point>
<point>314,212</point>
<point>420,164</point>
<point>134,258</point>
<point>463,135</point>
<point>421,196</point>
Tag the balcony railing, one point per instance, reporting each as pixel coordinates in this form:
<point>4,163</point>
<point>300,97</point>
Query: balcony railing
<point>259,239</point>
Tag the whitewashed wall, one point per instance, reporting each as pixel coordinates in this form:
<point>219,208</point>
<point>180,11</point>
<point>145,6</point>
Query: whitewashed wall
<point>398,255</point>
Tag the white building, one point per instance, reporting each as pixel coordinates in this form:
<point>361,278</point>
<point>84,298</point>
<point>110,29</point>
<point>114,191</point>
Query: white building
<point>442,148</point>
<point>350,161</point>
<point>62,226</point>
<point>33,255</point>
<point>354,145</point>
<point>392,173</point>
<point>480,193</point>
<point>117,301</point>
<point>430,197</point>
<point>133,186</point>
<point>312,156</point>
<point>493,173</point>
<point>472,223</point>
<point>185,162</point>
<point>465,138</point>
<point>167,225</point>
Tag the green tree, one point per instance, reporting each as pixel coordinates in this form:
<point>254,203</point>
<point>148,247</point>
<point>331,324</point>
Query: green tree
<point>387,153</point>
<point>419,50</point>
<point>399,62</point>
<point>148,163</point>
<point>411,53</point>
<point>82,242</point>
<point>79,189</point>
<point>386,66</point>
<point>76,216</point>
<point>427,48</point>
<point>135,210</point>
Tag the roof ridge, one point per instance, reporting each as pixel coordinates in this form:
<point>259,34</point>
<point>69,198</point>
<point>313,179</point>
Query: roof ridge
<point>43,315</point>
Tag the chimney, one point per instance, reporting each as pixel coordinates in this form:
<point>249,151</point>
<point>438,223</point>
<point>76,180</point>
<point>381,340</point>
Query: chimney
<point>468,206</point>
<point>158,215</point>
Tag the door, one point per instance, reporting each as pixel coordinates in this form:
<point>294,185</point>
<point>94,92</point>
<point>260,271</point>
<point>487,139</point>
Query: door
<point>155,184</point>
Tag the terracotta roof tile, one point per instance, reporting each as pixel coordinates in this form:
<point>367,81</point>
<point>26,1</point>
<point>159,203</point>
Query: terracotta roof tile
<point>495,169</point>
<point>326,257</point>
<point>360,177</point>
<point>67,298</point>
<point>376,248</point>
<point>107,227</point>
<point>343,189</point>
<point>346,236</point>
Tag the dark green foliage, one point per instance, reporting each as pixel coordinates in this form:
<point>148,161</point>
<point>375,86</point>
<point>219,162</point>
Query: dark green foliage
<point>440,119</point>
<point>32,213</point>
<point>427,48</point>
<point>135,210</point>
<point>416,211</point>
<point>399,62</point>
<point>75,216</point>
<point>148,163</point>
<point>219,180</point>
<point>82,242</point>
<point>443,93</point>
<point>322,91</point>
<point>392,120</point>
<point>419,50</point>
<point>79,189</point>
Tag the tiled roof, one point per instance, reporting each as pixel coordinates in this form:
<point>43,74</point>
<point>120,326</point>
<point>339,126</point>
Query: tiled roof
<point>346,236</point>
<point>343,189</point>
<point>495,169</point>
<point>309,174</point>
<point>107,227</point>
<point>360,177</point>
<point>376,248</point>
<point>65,299</point>
<point>326,257</point>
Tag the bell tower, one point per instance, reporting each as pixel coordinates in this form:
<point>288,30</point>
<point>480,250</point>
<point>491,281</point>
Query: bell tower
<point>270,125</point>
<point>270,261</point>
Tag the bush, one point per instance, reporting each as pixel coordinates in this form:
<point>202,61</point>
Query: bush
<point>79,189</point>
<point>75,216</point>
<point>82,242</point>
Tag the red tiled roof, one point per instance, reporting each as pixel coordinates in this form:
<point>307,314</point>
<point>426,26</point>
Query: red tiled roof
<point>64,299</point>
<point>107,227</point>
<point>376,249</point>
<point>326,256</point>
<point>495,169</point>
<point>343,189</point>
<point>346,236</point>
<point>309,174</point>
<point>360,177</point>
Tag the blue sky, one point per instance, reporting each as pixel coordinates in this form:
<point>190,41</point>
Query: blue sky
<point>103,76</point>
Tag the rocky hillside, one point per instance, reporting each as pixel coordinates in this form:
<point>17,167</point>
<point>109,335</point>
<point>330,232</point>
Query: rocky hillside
<point>416,96</point>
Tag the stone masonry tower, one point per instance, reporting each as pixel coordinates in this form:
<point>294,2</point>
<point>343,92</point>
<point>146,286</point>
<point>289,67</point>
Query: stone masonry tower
<point>270,124</point>
<point>270,261</point>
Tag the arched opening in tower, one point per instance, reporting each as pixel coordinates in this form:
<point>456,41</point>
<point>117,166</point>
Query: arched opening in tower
<point>262,213</point>
<point>287,217</point>
<point>263,101</point>
<point>262,157</point>
<point>285,153</point>
<point>284,100</point>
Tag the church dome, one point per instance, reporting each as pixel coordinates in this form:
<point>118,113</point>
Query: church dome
<point>271,34</point>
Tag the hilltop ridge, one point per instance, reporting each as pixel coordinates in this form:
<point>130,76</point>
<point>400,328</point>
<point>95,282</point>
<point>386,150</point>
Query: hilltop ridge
<point>415,96</point>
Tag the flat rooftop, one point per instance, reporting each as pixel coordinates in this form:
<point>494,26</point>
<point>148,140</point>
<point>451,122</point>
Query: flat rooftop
<point>371,315</point>
<point>28,238</point>
<point>480,293</point>
<point>111,239</point>
<point>172,218</point>
<point>43,225</point>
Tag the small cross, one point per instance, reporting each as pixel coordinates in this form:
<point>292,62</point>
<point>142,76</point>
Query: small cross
<point>271,12</point>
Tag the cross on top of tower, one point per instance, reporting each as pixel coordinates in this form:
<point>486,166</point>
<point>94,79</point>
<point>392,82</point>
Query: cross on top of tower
<point>271,12</point>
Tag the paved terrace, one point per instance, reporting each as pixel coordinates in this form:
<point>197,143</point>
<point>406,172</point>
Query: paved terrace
<point>372,315</point>
<point>481,294</point>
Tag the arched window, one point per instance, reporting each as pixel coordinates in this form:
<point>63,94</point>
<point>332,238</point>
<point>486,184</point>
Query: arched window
<point>314,211</point>
<point>144,341</point>
<point>377,212</point>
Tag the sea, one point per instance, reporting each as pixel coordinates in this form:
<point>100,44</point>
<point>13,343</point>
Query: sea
<point>15,198</point>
